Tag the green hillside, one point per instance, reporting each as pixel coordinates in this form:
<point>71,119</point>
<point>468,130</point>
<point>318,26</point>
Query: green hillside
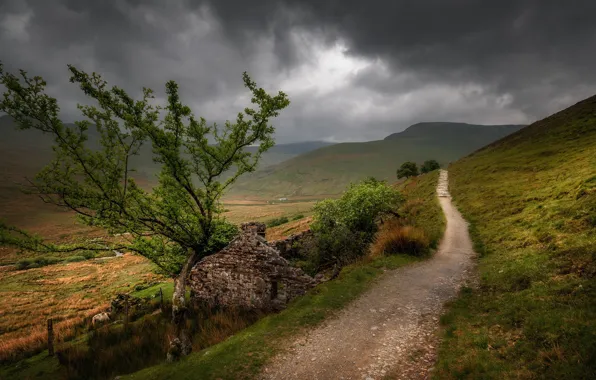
<point>24,153</point>
<point>531,201</point>
<point>328,170</point>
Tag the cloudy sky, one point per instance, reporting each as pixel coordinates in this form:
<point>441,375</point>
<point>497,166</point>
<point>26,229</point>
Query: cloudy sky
<point>354,70</point>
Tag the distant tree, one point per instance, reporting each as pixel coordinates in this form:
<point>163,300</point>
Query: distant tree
<point>407,169</point>
<point>179,221</point>
<point>429,166</point>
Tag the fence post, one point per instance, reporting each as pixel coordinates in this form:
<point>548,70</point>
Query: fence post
<point>161,299</point>
<point>50,337</point>
<point>126,312</point>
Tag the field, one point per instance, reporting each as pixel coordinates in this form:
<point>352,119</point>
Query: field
<point>531,201</point>
<point>72,292</point>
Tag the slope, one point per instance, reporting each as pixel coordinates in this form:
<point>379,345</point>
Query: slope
<point>531,201</point>
<point>24,153</point>
<point>328,170</point>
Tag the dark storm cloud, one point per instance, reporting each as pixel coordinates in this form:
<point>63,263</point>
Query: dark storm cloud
<point>537,49</point>
<point>354,70</point>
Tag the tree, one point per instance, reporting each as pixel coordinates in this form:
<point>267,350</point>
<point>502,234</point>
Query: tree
<point>429,166</point>
<point>407,169</point>
<point>179,221</point>
<point>346,226</point>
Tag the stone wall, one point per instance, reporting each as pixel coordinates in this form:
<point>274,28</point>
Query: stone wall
<point>296,245</point>
<point>248,273</point>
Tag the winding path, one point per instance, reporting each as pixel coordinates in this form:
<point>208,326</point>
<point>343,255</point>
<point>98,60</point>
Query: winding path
<point>391,330</point>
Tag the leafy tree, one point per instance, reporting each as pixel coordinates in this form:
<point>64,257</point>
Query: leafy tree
<point>429,166</point>
<point>407,169</point>
<point>345,227</point>
<point>179,221</point>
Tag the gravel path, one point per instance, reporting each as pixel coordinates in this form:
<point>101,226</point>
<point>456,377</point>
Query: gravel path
<point>390,331</point>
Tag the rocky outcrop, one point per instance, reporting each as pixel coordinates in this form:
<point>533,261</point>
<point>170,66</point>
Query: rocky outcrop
<point>249,274</point>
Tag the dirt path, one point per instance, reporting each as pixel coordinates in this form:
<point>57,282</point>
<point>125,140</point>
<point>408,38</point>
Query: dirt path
<point>390,331</point>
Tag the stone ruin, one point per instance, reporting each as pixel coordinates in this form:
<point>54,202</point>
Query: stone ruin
<point>249,273</point>
<point>296,245</point>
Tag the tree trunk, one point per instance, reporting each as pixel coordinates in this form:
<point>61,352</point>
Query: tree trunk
<point>181,344</point>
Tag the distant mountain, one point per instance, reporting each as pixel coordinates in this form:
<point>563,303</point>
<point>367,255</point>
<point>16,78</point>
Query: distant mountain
<point>447,129</point>
<point>329,170</point>
<point>25,152</point>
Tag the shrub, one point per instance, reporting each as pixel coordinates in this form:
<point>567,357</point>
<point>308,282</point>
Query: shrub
<point>74,259</point>
<point>24,264</point>
<point>394,238</point>
<point>102,254</point>
<point>429,166</point>
<point>298,217</point>
<point>345,227</point>
<point>277,221</point>
<point>407,169</point>
<point>36,263</point>
<point>88,254</point>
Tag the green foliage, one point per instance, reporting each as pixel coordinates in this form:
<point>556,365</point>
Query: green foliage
<point>277,221</point>
<point>329,170</point>
<point>407,169</point>
<point>180,219</point>
<point>37,263</point>
<point>529,199</point>
<point>422,208</point>
<point>429,166</point>
<point>345,227</point>
<point>298,217</point>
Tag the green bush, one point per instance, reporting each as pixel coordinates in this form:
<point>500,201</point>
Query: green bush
<point>74,259</point>
<point>345,227</point>
<point>102,254</point>
<point>407,169</point>
<point>277,221</point>
<point>88,254</point>
<point>429,166</point>
<point>23,264</point>
<point>298,217</point>
<point>36,263</point>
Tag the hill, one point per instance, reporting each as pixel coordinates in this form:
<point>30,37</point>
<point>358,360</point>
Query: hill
<point>531,201</point>
<point>28,151</point>
<point>330,169</point>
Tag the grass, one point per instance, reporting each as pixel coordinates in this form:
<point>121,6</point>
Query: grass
<point>531,201</point>
<point>68,293</point>
<point>330,169</point>
<point>244,354</point>
<point>422,208</point>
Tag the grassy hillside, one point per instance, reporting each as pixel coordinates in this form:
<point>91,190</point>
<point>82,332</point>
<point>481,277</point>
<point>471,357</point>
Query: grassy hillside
<point>328,170</point>
<point>531,201</point>
<point>243,355</point>
<point>25,152</point>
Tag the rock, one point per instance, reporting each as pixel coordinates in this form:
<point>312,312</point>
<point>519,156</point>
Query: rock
<point>249,274</point>
<point>99,319</point>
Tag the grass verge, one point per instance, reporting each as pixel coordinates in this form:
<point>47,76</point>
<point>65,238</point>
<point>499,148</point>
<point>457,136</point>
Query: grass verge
<point>531,202</point>
<point>242,355</point>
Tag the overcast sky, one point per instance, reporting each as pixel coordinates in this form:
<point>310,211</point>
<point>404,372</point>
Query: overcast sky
<point>354,70</point>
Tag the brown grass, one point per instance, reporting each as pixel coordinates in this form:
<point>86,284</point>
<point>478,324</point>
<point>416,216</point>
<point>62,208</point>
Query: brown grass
<point>67,293</point>
<point>393,238</point>
<point>287,229</point>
